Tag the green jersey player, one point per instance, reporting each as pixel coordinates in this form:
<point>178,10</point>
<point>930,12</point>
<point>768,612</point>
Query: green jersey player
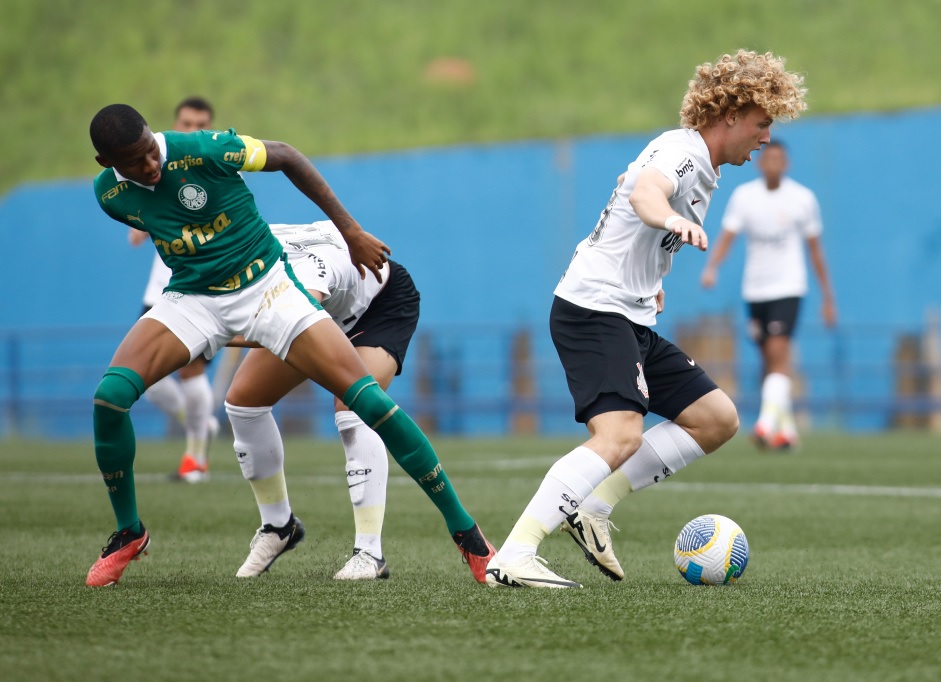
<point>230,278</point>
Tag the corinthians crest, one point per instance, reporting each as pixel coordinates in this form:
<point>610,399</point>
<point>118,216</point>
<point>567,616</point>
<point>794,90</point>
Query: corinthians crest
<point>193,197</point>
<point>642,382</point>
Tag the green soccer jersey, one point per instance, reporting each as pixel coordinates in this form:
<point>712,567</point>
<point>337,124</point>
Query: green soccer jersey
<point>200,215</point>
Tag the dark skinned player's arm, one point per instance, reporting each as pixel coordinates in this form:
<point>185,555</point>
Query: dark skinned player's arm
<point>365,250</point>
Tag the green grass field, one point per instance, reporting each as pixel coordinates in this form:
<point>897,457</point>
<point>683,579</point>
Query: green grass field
<point>842,581</point>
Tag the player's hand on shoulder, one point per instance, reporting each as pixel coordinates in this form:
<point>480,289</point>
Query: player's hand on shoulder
<point>367,252</point>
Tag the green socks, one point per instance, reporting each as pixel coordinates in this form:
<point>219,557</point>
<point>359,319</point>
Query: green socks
<point>114,440</point>
<point>409,447</point>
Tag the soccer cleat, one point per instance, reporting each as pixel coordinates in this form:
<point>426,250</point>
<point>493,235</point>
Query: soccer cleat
<point>363,566</point>
<point>761,437</point>
<point>783,442</point>
<point>268,544</point>
<point>592,534</point>
<point>191,471</point>
<point>476,551</point>
<point>123,547</point>
<point>530,571</point>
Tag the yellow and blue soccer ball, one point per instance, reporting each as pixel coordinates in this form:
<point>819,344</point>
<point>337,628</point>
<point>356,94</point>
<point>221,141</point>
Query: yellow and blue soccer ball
<point>711,550</point>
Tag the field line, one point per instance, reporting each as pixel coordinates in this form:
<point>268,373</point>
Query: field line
<point>396,479</point>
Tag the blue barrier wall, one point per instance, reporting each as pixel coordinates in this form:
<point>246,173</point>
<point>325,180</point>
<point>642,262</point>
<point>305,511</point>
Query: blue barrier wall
<point>487,231</point>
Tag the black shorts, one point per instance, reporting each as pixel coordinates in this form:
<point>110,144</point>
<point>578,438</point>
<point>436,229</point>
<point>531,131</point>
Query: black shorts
<point>773,318</point>
<point>612,364</point>
<point>391,318</point>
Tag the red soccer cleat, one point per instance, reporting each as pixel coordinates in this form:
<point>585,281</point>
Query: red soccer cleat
<point>123,548</point>
<point>191,471</point>
<point>476,551</point>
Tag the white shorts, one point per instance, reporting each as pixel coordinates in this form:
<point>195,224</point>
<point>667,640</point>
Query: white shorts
<point>272,312</point>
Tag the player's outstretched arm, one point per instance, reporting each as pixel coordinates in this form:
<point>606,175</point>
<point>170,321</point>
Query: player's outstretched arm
<point>365,250</point>
<point>710,273</point>
<point>823,278</point>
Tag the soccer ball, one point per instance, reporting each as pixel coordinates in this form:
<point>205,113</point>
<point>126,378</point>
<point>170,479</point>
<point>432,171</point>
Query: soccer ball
<point>711,550</point>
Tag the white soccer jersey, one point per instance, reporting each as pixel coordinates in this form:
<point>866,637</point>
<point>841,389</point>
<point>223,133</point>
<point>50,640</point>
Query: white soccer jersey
<point>776,223</point>
<point>157,282</point>
<point>620,267</point>
<point>321,260</point>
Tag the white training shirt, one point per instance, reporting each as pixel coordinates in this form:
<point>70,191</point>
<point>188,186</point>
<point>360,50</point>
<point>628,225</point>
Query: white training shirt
<point>776,223</point>
<point>157,282</point>
<point>321,260</point>
<point>620,267</point>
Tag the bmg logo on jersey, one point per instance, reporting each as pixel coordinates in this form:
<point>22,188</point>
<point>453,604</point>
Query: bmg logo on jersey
<point>685,167</point>
<point>193,197</point>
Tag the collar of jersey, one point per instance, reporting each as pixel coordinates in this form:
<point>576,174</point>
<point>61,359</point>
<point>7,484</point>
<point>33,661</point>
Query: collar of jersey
<point>162,145</point>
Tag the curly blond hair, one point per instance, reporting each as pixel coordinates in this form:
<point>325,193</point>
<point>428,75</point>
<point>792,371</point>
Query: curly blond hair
<point>736,81</point>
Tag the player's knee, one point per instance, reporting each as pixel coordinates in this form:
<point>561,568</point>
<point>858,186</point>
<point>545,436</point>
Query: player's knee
<point>119,389</point>
<point>616,447</point>
<point>369,402</point>
<point>722,424</point>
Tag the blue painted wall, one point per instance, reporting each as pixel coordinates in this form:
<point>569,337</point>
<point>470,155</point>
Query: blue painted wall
<point>487,231</point>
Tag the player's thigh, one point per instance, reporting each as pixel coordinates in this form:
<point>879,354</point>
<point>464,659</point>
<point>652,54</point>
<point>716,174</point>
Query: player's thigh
<point>711,420</point>
<point>151,350</point>
<point>324,354</point>
<point>262,380</point>
<point>379,363</point>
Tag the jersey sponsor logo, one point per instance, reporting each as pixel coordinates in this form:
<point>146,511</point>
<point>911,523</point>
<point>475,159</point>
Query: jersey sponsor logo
<point>185,163</point>
<point>136,218</point>
<point>685,167</point>
<point>642,381</point>
<point>252,270</point>
<point>235,157</point>
<point>193,197</point>
<point>114,191</point>
<point>192,236</point>
<point>672,242</point>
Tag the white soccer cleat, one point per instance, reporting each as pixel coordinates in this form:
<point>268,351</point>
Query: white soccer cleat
<point>268,544</point>
<point>363,566</point>
<point>592,534</point>
<point>530,571</point>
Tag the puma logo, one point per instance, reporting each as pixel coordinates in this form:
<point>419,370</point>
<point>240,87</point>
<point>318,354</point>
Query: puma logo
<point>136,218</point>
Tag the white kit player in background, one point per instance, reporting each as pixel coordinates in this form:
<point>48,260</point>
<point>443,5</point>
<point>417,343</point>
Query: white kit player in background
<point>189,399</point>
<point>617,367</point>
<point>777,216</point>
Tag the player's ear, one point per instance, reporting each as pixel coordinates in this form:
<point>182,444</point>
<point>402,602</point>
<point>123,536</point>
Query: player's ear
<point>731,116</point>
<point>102,161</point>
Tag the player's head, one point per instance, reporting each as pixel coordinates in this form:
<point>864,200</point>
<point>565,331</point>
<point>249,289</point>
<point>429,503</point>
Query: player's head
<point>739,97</point>
<point>124,142</point>
<point>193,113</point>
<point>773,163</point>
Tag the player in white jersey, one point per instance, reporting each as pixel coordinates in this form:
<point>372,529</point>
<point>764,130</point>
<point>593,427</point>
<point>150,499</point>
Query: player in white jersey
<point>319,257</point>
<point>777,216</point>
<point>188,399</point>
<point>379,318</point>
<point>616,366</point>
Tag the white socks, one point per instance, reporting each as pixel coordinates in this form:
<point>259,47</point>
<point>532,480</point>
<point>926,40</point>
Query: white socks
<point>666,448</point>
<point>167,395</point>
<point>567,483</point>
<point>367,473</point>
<point>260,454</point>
<point>197,393</point>
<point>776,409</point>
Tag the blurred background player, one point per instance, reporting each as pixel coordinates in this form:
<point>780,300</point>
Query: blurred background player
<point>379,318</point>
<point>777,216</point>
<point>616,366</point>
<point>188,400</point>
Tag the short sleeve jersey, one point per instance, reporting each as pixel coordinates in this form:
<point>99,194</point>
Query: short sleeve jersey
<point>346,295</point>
<point>200,215</point>
<point>776,223</point>
<point>619,267</point>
